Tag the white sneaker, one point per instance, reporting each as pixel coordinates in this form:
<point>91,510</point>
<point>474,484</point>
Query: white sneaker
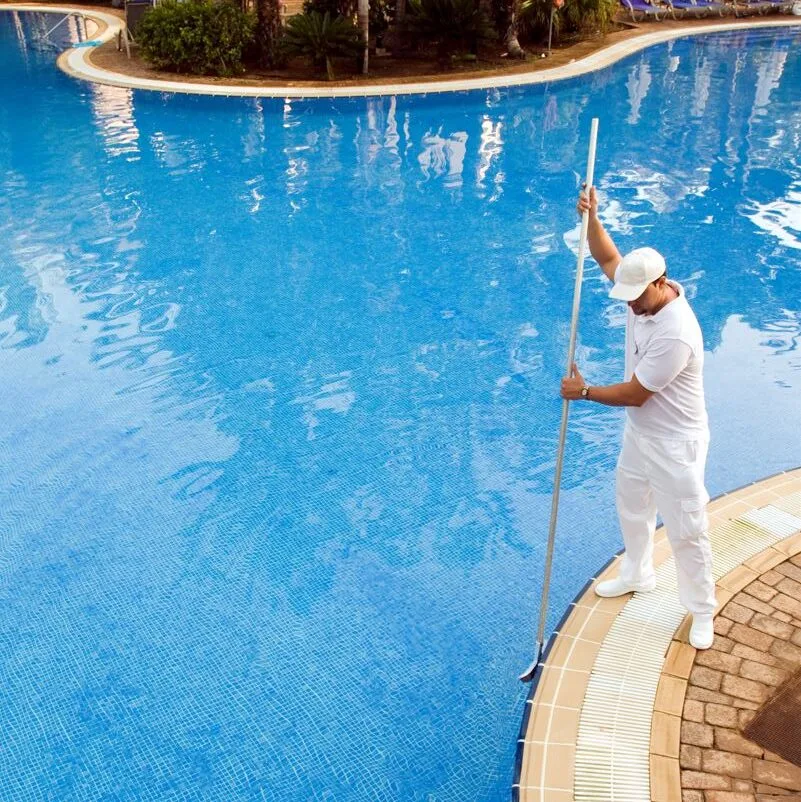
<point>702,632</point>
<point>617,587</point>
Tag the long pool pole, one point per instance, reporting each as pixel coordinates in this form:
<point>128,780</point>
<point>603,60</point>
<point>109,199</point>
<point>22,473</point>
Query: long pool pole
<point>528,674</point>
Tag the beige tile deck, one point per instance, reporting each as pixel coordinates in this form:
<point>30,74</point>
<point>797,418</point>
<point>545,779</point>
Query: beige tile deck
<point>585,740</point>
<point>666,779</point>
<point>665,734</point>
<point>670,695</point>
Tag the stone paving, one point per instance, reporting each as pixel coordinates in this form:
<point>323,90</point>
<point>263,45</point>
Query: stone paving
<point>757,648</point>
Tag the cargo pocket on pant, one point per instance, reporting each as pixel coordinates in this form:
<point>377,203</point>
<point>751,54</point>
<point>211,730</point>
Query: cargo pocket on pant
<point>694,520</point>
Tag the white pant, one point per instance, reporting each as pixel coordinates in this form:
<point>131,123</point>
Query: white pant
<point>666,475</point>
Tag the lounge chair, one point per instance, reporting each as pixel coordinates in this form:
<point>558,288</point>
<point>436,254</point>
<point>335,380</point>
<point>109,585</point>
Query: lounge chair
<point>134,11</point>
<point>645,10</point>
<point>699,8</point>
<point>745,8</point>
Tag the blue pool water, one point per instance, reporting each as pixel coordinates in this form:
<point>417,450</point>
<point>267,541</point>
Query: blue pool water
<point>278,406</point>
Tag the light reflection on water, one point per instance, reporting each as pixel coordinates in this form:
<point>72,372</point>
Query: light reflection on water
<point>279,411</point>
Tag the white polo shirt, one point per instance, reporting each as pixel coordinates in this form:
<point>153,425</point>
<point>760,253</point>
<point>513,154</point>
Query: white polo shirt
<point>666,352</point>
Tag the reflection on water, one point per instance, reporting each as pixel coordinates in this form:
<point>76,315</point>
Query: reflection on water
<point>638,84</point>
<point>781,218</point>
<point>279,405</point>
<point>769,73</point>
<point>443,156</point>
<point>114,115</point>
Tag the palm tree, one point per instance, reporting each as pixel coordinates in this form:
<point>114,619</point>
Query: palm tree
<point>510,41</point>
<point>363,16</point>
<point>268,31</point>
<point>320,38</point>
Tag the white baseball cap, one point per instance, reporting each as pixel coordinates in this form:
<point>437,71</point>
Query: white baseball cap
<point>635,272</point>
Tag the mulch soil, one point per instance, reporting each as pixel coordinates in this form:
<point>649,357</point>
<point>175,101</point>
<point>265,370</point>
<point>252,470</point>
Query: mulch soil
<point>776,725</point>
<point>409,69</point>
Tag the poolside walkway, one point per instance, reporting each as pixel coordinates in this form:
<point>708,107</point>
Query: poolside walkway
<point>102,63</point>
<point>624,709</point>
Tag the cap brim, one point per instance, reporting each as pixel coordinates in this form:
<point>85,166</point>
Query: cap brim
<point>627,292</point>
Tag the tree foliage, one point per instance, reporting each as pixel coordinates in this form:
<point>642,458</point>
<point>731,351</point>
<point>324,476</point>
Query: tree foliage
<point>454,26</point>
<point>381,11</point>
<point>589,16</point>
<point>535,17</point>
<point>320,37</point>
<point>268,33</point>
<point>196,36</point>
<point>573,17</point>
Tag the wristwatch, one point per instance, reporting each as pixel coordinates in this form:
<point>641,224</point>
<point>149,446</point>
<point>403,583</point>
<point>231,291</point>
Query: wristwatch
<point>585,392</point>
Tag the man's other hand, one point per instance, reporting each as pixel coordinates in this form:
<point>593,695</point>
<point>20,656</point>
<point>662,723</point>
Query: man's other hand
<point>572,385</point>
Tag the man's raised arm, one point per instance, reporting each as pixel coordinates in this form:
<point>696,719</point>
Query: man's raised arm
<point>602,248</point>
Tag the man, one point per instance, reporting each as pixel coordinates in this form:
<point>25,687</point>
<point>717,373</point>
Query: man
<point>661,464</point>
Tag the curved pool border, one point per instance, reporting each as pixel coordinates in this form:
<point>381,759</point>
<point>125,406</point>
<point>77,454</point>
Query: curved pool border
<point>603,719</point>
<point>77,63</point>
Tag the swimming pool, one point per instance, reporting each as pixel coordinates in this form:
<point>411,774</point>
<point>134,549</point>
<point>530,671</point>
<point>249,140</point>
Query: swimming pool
<point>279,411</point>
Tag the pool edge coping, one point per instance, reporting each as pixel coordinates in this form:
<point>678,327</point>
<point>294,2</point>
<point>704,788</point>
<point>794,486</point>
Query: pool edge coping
<point>76,62</point>
<point>592,763</point>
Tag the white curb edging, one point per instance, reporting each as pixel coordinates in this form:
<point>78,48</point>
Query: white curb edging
<point>75,62</point>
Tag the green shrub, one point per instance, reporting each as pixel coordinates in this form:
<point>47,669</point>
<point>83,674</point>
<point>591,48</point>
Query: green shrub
<point>454,26</point>
<point>588,16</point>
<point>574,17</point>
<point>320,38</point>
<point>381,12</point>
<point>197,36</point>
<point>535,19</point>
<point>336,8</point>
